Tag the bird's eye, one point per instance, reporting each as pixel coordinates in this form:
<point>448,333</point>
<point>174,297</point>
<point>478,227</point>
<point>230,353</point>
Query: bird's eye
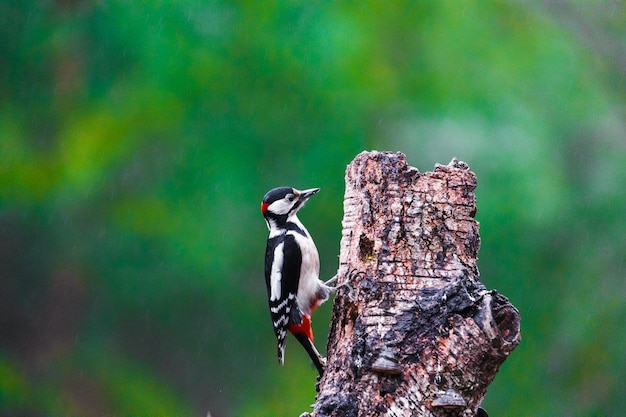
<point>291,197</point>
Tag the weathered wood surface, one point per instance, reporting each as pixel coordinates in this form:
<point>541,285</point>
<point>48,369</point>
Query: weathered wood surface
<point>419,335</point>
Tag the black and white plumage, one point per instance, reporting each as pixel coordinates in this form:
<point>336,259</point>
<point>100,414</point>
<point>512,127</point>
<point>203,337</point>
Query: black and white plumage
<point>292,270</point>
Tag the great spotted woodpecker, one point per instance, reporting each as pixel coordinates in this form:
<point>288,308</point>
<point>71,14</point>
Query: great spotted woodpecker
<point>292,270</point>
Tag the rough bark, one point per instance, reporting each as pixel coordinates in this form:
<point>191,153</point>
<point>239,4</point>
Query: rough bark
<point>418,335</point>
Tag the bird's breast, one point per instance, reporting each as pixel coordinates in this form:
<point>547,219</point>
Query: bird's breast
<point>309,274</point>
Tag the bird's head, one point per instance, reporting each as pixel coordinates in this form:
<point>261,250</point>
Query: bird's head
<point>283,202</point>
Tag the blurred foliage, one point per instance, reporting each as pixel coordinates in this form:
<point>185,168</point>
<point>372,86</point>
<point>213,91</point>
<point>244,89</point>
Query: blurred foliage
<point>137,139</point>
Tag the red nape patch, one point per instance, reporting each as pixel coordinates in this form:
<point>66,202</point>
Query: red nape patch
<point>264,207</point>
<point>304,327</point>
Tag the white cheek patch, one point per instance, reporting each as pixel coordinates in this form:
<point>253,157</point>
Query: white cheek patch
<point>281,206</point>
<point>277,267</point>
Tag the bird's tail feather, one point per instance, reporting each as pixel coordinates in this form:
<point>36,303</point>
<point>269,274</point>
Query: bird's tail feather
<point>318,360</point>
<point>282,340</point>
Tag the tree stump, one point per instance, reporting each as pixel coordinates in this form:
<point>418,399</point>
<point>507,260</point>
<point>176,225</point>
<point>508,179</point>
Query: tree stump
<point>418,334</point>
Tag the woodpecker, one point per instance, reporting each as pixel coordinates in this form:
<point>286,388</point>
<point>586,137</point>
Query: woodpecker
<point>292,269</point>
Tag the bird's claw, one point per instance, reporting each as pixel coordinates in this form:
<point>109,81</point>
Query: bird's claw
<point>351,275</point>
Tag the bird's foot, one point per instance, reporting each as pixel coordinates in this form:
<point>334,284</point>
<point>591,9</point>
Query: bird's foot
<point>331,282</point>
<point>351,275</point>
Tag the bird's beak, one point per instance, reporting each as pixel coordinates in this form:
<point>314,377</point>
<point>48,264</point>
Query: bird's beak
<point>303,196</point>
<point>306,194</point>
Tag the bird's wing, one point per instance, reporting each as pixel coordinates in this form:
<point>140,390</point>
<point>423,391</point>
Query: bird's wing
<point>282,275</point>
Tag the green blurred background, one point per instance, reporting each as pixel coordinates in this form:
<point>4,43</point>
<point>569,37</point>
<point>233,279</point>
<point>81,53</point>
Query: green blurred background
<point>137,139</point>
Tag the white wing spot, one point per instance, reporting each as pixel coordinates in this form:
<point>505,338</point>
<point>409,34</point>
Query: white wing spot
<point>277,267</point>
<point>283,304</point>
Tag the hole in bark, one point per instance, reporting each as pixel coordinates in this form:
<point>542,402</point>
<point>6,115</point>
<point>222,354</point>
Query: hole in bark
<point>508,321</point>
<point>366,248</point>
<point>440,258</point>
